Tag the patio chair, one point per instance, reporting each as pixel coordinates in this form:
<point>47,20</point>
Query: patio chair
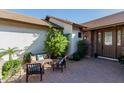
<point>33,68</point>
<point>60,64</point>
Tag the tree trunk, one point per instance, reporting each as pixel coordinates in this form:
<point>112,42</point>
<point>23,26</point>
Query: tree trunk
<point>10,56</point>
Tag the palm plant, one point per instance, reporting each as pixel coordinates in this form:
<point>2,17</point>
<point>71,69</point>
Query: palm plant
<point>9,51</point>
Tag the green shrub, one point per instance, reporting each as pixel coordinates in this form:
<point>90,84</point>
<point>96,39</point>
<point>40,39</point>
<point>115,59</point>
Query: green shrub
<point>56,43</point>
<point>76,56</point>
<point>121,59</point>
<point>10,68</point>
<point>27,57</point>
<point>82,50</point>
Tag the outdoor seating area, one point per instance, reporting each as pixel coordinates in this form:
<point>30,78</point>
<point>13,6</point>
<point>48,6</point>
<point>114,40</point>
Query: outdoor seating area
<point>88,70</point>
<point>39,66</point>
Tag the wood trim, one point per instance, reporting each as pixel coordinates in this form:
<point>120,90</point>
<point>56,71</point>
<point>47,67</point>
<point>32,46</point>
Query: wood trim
<point>116,41</point>
<point>106,26</point>
<point>92,43</point>
<point>118,46</point>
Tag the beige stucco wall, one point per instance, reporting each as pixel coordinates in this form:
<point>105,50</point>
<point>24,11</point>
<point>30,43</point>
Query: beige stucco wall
<point>68,29</point>
<point>23,36</point>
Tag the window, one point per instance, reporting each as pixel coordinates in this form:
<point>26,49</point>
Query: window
<point>99,37</point>
<point>119,38</point>
<point>79,34</point>
<point>108,38</point>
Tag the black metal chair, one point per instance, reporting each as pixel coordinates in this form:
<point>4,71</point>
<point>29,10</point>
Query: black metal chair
<point>60,64</point>
<point>34,68</point>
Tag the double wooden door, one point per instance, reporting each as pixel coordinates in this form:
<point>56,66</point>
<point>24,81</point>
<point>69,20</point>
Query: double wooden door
<point>109,43</point>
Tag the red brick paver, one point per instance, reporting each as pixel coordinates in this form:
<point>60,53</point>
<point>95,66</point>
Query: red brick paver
<point>88,70</point>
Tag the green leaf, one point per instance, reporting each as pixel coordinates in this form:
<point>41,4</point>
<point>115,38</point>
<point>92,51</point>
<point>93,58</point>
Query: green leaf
<point>56,43</point>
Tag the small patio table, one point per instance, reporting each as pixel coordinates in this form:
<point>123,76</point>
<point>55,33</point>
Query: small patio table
<point>44,62</point>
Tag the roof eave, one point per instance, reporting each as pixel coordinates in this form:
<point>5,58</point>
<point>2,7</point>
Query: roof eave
<point>78,25</point>
<point>25,22</point>
<point>71,23</point>
<point>105,26</point>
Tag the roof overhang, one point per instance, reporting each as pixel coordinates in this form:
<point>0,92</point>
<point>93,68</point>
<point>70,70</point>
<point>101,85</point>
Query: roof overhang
<point>105,26</point>
<point>23,22</point>
<point>8,15</point>
<point>67,22</point>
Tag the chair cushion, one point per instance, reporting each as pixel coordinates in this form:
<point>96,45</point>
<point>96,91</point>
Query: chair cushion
<point>33,69</point>
<point>61,61</point>
<point>40,57</point>
<point>33,59</point>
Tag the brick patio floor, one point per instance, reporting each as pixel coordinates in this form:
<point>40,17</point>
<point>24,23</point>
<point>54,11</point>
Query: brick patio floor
<point>88,70</point>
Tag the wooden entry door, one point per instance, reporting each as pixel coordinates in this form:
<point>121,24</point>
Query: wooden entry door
<point>109,44</point>
<point>106,43</point>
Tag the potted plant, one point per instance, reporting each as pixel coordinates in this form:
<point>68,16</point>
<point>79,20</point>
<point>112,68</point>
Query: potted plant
<point>27,57</point>
<point>82,50</point>
<point>121,59</point>
<point>76,56</point>
<point>96,55</point>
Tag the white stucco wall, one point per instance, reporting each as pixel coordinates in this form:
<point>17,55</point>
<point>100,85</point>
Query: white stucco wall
<point>74,40</point>
<point>67,27</point>
<point>22,37</point>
